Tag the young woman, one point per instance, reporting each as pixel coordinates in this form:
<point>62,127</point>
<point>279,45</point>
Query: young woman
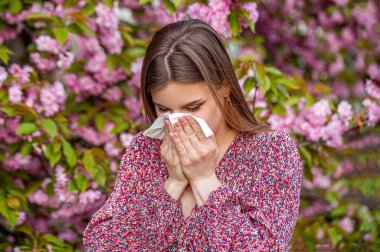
<point>237,190</point>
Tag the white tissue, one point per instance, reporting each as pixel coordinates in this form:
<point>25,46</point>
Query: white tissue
<point>157,130</point>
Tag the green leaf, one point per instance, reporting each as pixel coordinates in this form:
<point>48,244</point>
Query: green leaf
<point>50,127</point>
<point>96,171</point>
<point>334,235</point>
<point>112,61</point>
<point>51,155</point>
<point>246,16</point>
<point>50,189</point>
<point>25,228</point>
<point>234,23</point>
<point>4,53</point>
<point>339,211</point>
<point>273,70</point>
<point>176,3</point>
<point>169,6</point>
<point>119,127</point>
<point>19,109</point>
<point>260,75</point>
<point>69,152</point>
<point>10,215</point>
<point>249,84</point>
<point>99,121</point>
<point>26,128</point>
<point>88,9</point>
<point>81,182</point>
<point>307,157</point>
<point>279,109</point>
<point>54,240</point>
<point>80,28</point>
<point>13,202</point>
<point>145,1</point>
<point>26,148</point>
<point>15,6</point>
<point>72,186</point>
<point>39,16</point>
<point>288,82</point>
<point>88,161</point>
<point>61,35</point>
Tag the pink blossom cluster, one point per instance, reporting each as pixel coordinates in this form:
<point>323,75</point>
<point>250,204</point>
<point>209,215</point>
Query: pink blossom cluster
<point>65,205</point>
<point>316,123</point>
<point>107,21</point>
<point>319,36</point>
<point>30,164</point>
<point>98,76</point>
<point>90,133</point>
<point>372,105</point>
<point>49,99</point>
<point>8,127</point>
<point>57,55</point>
<point>215,13</point>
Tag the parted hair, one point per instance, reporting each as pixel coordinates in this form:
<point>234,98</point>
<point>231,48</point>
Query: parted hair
<point>191,51</point>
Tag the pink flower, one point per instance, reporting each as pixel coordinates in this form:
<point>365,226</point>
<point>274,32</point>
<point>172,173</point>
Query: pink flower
<point>48,44</point>
<point>3,75</point>
<point>373,112</point>
<point>52,98</point>
<point>111,150</point>
<point>133,104</point>
<point>65,59</point>
<point>372,90</point>
<point>252,10</point>
<point>345,111</point>
<point>126,139</point>
<point>317,114</point>
<point>113,94</point>
<point>42,63</point>
<point>21,73</point>
<point>346,224</point>
<point>15,94</point>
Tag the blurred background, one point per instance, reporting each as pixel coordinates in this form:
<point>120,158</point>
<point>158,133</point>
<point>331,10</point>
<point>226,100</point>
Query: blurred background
<point>70,104</point>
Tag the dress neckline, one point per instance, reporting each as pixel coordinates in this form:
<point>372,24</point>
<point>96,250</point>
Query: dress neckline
<point>228,151</point>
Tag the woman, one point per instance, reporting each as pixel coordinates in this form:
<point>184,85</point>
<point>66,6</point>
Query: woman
<point>237,190</point>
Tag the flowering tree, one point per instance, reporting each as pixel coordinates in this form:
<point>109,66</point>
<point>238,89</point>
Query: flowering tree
<point>70,104</point>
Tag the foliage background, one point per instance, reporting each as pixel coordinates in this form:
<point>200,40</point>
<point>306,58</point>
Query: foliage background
<point>70,104</point>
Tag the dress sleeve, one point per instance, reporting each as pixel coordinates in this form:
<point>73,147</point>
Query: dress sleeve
<point>260,217</point>
<point>139,213</point>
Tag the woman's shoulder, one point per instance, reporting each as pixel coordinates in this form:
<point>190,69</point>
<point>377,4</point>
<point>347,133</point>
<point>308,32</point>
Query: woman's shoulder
<point>143,144</point>
<point>271,139</point>
<point>273,144</point>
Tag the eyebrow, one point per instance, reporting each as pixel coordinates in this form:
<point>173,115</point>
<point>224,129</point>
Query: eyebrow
<point>188,104</point>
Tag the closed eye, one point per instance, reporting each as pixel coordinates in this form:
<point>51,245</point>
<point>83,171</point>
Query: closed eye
<point>194,109</point>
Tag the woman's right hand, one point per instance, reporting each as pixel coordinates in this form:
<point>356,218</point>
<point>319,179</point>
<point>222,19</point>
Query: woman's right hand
<point>177,182</point>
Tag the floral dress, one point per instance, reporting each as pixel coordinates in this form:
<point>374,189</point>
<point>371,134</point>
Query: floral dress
<point>255,209</point>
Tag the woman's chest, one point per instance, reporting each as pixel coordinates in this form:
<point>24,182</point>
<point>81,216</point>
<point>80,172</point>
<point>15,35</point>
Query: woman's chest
<point>188,201</point>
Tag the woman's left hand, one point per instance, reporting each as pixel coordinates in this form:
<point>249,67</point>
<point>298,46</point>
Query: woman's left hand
<point>198,154</point>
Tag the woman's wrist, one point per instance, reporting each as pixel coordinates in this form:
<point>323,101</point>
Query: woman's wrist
<point>175,188</point>
<point>202,188</point>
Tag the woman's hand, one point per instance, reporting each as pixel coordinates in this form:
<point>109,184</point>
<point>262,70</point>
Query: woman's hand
<point>198,155</point>
<point>171,158</point>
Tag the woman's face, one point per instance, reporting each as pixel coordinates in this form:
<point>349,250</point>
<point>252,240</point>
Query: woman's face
<point>175,97</point>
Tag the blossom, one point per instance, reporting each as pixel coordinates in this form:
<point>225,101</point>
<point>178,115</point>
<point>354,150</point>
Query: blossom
<point>15,94</point>
<point>48,44</point>
<point>3,75</point>
<point>346,224</point>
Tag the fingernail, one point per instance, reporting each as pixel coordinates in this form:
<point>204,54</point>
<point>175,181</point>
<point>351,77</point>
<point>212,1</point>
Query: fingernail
<point>188,117</point>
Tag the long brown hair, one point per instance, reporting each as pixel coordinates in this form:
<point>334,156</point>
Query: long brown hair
<point>191,51</point>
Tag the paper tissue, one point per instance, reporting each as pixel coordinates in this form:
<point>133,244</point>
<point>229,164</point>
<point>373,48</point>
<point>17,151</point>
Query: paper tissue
<point>157,130</point>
